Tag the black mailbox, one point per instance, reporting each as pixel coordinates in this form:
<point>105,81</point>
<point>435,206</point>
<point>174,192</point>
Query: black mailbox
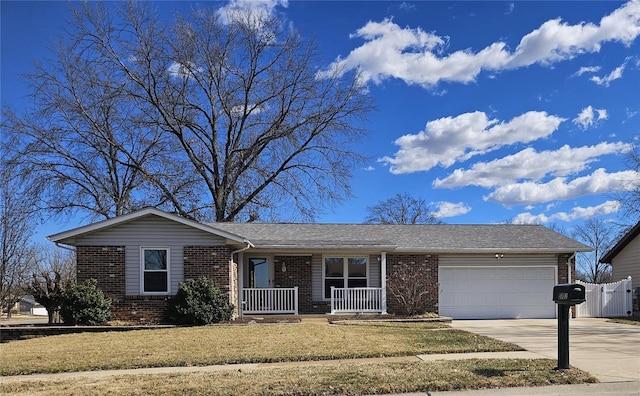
<point>569,294</point>
<point>565,296</point>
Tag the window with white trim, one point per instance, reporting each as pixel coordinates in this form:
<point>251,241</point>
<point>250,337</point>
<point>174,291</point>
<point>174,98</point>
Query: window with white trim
<point>344,272</point>
<point>155,270</point>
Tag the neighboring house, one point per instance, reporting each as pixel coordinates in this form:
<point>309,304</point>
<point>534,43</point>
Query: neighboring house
<point>624,257</point>
<point>28,305</point>
<point>474,271</point>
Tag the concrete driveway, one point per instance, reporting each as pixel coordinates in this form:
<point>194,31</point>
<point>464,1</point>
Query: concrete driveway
<point>609,351</point>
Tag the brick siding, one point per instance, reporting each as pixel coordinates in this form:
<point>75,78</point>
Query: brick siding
<point>423,264</point>
<point>563,268</point>
<point>209,261</point>
<point>298,273</point>
<point>106,264</point>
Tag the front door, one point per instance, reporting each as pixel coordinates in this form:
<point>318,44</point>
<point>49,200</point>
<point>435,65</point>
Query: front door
<point>259,272</point>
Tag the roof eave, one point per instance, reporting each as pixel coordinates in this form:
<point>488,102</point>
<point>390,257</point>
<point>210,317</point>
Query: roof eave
<point>325,246</point>
<point>494,250</point>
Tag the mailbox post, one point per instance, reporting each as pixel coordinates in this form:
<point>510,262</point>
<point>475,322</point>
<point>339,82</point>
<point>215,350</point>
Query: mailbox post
<point>566,296</point>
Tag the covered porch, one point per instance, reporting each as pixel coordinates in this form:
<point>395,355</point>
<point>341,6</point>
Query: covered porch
<point>272,284</point>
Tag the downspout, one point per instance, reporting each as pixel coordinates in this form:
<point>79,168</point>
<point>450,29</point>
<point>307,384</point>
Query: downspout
<point>383,281</point>
<point>232,281</point>
<point>569,266</point>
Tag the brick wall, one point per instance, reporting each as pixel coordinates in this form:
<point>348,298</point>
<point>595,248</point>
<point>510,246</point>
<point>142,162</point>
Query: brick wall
<point>563,267</point>
<point>209,261</point>
<point>423,269</point>
<point>298,273</point>
<point>106,264</point>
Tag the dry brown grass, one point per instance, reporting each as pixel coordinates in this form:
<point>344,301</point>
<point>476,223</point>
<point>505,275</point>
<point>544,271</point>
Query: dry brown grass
<point>330,378</point>
<point>199,346</point>
<point>630,320</point>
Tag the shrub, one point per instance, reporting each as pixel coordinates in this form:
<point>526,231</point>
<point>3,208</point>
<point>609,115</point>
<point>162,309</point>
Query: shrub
<point>407,285</point>
<point>85,304</point>
<point>199,302</point>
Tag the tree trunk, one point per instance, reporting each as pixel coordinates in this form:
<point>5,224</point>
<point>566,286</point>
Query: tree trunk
<point>54,315</point>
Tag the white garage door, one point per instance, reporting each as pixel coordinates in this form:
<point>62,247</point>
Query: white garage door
<point>497,292</point>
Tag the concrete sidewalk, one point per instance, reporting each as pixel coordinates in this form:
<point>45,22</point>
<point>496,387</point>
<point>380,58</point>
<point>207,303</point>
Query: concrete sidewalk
<point>628,388</point>
<point>603,389</point>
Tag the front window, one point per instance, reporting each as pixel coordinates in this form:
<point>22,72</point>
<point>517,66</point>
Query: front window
<point>155,270</point>
<point>344,272</point>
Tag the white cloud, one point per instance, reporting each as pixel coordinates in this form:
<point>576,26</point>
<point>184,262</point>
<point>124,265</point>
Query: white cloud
<point>530,165</point>
<point>369,168</point>
<point>259,10</point>
<point>614,75</point>
<point>587,118</point>
<point>450,209</point>
<point>576,213</point>
<point>181,70</point>
<point>598,182</point>
<point>510,8</point>
<point>448,140</point>
<point>416,56</point>
<point>589,69</point>
<point>407,6</point>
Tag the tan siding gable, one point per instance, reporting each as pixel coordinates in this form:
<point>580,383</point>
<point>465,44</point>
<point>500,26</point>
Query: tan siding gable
<point>627,262</point>
<point>150,230</point>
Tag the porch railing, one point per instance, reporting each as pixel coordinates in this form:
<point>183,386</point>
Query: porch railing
<point>270,300</point>
<point>357,299</point>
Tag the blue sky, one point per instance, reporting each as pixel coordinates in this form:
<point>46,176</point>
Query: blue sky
<point>490,111</point>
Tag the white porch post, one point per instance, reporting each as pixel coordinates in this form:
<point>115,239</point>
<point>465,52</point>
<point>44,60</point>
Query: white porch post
<point>383,281</point>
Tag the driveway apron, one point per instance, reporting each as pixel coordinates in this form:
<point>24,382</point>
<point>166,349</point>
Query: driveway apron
<point>609,351</point>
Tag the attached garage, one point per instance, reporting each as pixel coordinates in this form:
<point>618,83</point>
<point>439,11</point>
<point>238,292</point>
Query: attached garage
<point>485,287</point>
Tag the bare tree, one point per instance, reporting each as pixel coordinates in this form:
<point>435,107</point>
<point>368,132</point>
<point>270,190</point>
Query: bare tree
<point>601,237</point>
<point>213,116</point>
<point>17,255</point>
<point>630,199</point>
<point>55,274</point>
<point>401,209</point>
<point>84,145</point>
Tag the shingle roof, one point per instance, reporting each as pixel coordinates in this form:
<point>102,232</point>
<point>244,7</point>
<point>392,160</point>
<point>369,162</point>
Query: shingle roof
<point>414,238</point>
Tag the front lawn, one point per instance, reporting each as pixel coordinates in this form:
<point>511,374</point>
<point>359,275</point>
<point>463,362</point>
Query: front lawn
<point>208,345</point>
<point>330,378</point>
<point>307,343</point>
<point>631,320</point>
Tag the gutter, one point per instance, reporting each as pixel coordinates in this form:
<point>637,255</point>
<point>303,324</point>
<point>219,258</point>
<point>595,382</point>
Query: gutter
<point>61,246</point>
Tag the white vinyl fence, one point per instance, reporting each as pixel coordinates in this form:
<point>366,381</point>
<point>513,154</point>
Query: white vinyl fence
<point>606,300</point>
